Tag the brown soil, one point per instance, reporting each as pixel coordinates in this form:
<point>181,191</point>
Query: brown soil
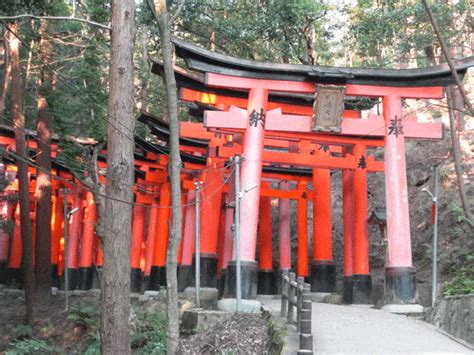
<point>241,334</point>
<point>51,325</point>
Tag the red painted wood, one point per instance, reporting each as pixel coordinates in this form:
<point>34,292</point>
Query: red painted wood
<point>234,82</point>
<point>284,242</point>
<point>265,260</point>
<point>398,218</point>
<point>302,216</point>
<point>348,220</point>
<point>322,226</point>
<point>361,236</point>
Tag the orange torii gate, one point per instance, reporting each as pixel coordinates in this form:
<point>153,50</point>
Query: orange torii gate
<point>324,240</point>
<point>260,79</point>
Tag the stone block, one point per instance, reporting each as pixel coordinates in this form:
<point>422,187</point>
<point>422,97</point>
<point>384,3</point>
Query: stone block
<point>198,320</point>
<point>230,305</point>
<point>205,293</point>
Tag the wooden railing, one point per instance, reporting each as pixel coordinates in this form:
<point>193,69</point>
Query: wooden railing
<point>295,293</point>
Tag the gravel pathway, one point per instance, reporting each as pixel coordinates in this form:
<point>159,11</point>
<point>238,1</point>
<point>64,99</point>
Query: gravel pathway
<point>364,330</point>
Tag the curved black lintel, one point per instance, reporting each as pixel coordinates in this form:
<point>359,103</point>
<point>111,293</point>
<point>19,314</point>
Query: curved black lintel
<point>203,60</point>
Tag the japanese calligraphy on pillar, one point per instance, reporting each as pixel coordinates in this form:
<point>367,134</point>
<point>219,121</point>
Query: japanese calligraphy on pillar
<point>328,108</point>
<point>362,163</point>
<point>256,118</point>
<point>395,127</point>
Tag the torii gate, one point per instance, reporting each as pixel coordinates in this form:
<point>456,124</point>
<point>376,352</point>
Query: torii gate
<point>259,79</point>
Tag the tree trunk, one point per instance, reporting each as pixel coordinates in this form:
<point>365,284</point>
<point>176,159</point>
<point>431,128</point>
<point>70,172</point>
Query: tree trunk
<point>19,127</point>
<point>175,170</point>
<point>6,74</point>
<point>43,175</point>
<point>453,113</point>
<point>119,189</point>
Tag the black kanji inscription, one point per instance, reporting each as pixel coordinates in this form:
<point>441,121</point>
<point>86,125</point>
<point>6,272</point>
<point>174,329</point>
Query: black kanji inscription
<point>324,147</point>
<point>256,117</point>
<point>362,163</point>
<point>395,127</point>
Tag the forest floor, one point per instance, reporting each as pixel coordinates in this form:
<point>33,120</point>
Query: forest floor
<point>77,331</point>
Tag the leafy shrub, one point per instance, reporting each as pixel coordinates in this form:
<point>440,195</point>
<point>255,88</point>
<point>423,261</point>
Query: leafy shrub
<point>150,336</point>
<point>463,281</point>
<point>30,346</point>
<point>277,335</point>
<point>88,317</point>
<point>23,331</point>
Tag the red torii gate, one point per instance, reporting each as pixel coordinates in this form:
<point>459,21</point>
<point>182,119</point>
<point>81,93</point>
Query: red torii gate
<point>259,79</point>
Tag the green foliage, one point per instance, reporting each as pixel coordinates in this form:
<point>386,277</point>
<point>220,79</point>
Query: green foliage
<point>150,335</point>
<point>30,346</point>
<point>23,331</point>
<point>87,316</point>
<point>277,336</point>
<point>265,30</point>
<point>457,212</point>
<point>463,281</point>
<point>398,31</point>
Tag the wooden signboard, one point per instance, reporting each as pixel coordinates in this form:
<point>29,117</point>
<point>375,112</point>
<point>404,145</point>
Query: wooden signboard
<point>328,108</point>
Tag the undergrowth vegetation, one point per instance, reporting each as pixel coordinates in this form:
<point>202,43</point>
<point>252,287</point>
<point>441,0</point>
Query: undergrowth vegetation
<point>463,279</point>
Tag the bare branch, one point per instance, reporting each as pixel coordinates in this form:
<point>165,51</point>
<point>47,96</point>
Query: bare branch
<point>54,18</point>
<point>444,48</point>
<point>177,12</point>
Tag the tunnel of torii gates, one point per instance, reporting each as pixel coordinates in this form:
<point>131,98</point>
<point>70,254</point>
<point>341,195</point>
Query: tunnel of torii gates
<point>292,125</point>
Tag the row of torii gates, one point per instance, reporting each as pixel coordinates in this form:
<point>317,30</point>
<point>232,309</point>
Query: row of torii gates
<point>289,123</point>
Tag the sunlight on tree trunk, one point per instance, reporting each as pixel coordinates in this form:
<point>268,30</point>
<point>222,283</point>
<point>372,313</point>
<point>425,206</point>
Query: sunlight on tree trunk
<point>115,328</point>
<point>25,224</point>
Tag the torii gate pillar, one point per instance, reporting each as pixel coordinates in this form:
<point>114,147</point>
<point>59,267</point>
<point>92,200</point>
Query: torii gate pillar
<point>249,203</point>
<point>400,283</point>
<point>323,269</point>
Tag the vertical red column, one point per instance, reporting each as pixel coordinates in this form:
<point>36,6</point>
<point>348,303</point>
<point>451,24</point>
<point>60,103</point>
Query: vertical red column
<point>8,213</point>
<point>14,264</point>
<point>221,241</point>
<point>400,283</point>
<point>284,245</point>
<point>348,225</point>
<point>185,268</point>
<point>86,273</point>
<point>74,232</point>
<point>138,234</point>
<point>228,239</point>
<point>361,279</point>
<point>302,213</point>
<point>151,237</point>
<point>158,269</point>
<point>323,269</point>
<point>213,183</point>
<point>57,231</point>
<point>249,203</point>
<point>266,275</point>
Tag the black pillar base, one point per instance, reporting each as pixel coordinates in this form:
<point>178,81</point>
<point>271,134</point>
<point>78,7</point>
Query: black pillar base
<point>266,282</point>
<point>136,280</point>
<point>185,276</point>
<point>400,285</point>
<point>221,282</point>
<point>3,273</point>
<point>157,278</point>
<point>97,277</point>
<point>362,289</point>
<point>323,276</point>
<point>347,290</point>
<point>73,278</point>
<point>208,270</point>
<point>14,278</point>
<point>55,282</point>
<point>86,275</point>
<point>249,275</point>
